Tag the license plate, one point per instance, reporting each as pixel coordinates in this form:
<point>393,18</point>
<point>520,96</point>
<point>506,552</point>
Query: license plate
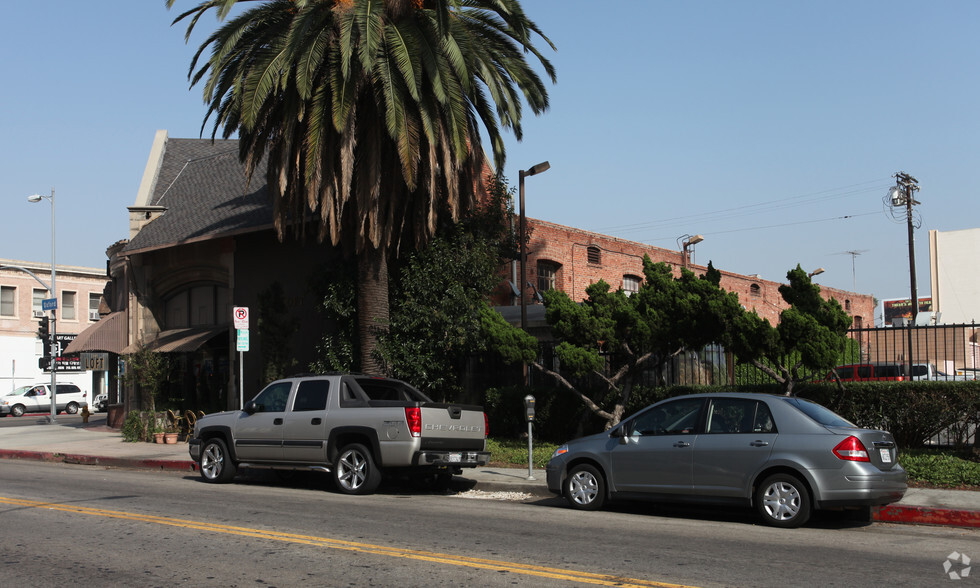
<point>886,455</point>
<point>454,457</point>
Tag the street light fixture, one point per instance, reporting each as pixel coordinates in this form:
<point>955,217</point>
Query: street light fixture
<point>687,243</point>
<point>816,272</point>
<point>54,311</point>
<point>535,170</point>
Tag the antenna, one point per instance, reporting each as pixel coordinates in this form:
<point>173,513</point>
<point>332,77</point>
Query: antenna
<point>853,253</point>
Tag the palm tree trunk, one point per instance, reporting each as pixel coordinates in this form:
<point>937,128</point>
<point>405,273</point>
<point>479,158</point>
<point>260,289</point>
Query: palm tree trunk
<point>372,304</point>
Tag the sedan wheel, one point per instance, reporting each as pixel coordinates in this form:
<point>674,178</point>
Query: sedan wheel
<point>783,501</point>
<point>216,464</point>
<point>585,488</point>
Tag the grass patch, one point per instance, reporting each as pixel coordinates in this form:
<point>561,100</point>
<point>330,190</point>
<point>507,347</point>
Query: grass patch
<point>513,452</point>
<point>941,468</point>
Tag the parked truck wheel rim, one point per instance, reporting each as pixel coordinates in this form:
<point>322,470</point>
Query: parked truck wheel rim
<point>355,472</point>
<point>216,466</point>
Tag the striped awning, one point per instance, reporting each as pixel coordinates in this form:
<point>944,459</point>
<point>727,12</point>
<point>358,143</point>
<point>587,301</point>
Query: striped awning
<point>109,334</point>
<point>179,340</point>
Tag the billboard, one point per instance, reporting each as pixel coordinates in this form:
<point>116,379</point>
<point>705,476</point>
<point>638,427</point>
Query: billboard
<point>896,308</point>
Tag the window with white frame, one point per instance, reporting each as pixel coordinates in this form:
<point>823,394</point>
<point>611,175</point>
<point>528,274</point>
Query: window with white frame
<point>68,306</point>
<point>37,298</point>
<point>631,284</point>
<point>8,301</point>
<point>93,306</point>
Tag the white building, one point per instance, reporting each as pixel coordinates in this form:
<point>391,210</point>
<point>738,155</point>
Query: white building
<point>955,277</point>
<point>79,297</point>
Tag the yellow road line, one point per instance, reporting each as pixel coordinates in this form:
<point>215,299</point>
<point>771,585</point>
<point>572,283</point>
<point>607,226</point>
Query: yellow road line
<point>428,556</point>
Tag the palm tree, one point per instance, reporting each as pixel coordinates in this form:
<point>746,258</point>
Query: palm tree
<point>370,114</point>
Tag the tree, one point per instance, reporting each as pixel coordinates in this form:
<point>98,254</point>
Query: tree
<point>615,337</point>
<point>275,329</point>
<point>367,115</point>
<point>439,307</point>
<point>806,343</point>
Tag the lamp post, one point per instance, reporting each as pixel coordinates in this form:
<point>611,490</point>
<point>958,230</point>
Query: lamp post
<point>537,169</point>
<point>687,243</point>
<point>54,311</point>
<point>816,272</point>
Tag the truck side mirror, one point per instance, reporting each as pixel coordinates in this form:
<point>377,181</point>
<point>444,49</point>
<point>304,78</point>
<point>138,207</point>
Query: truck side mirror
<point>250,407</point>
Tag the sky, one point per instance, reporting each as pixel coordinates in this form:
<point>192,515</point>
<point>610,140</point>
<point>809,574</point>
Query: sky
<point>772,128</point>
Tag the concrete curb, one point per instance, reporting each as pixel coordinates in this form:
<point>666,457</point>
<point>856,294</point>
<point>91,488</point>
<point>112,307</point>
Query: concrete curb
<point>117,462</point>
<point>927,515</point>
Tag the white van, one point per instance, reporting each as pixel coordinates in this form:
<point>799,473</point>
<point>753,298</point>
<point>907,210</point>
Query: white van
<point>37,398</point>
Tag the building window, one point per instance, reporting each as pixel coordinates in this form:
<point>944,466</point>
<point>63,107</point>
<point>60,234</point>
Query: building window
<point>847,305</point>
<point>547,273</point>
<point>755,291</point>
<point>8,301</point>
<point>37,296</point>
<point>68,306</point>
<point>631,284</point>
<point>594,254</point>
<point>198,306</point>
<point>93,306</point>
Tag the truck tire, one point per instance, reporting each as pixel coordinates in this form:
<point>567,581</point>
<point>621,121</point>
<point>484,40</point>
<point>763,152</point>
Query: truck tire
<point>354,471</point>
<point>216,464</point>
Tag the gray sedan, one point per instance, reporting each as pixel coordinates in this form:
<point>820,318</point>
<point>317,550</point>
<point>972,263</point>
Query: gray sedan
<point>783,455</point>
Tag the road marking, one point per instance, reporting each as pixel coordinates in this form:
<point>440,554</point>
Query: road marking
<point>427,556</point>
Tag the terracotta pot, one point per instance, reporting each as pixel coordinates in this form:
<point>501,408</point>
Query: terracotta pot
<point>170,438</point>
<point>158,437</point>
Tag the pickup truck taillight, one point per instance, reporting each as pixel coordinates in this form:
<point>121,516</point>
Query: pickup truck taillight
<point>413,415</point>
<point>486,426</point>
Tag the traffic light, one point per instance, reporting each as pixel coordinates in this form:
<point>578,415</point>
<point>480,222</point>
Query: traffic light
<point>43,332</point>
<point>44,362</point>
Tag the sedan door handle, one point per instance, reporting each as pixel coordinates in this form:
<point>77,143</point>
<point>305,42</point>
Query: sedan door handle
<point>277,421</point>
<point>759,443</point>
<point>682,444</point>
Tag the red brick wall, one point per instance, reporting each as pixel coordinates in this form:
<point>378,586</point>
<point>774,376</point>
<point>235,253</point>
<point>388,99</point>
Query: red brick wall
<point>568,247</point>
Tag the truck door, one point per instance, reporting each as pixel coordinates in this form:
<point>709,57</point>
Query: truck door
<point>304,433</point>
<point>258,435</point>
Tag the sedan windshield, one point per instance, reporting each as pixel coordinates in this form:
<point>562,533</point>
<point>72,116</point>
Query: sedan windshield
<point>822,415</point>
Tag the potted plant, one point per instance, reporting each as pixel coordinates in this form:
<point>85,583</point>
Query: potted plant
<point>150,371</point>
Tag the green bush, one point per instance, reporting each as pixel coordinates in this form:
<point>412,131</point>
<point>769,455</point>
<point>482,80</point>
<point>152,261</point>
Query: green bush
<point>513,452</point>
<point>134,427</point>
<point>940,468</point>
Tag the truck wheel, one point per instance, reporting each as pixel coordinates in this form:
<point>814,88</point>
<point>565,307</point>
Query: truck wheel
<point>216,464</point>
<point>354,470</point>
<point>17,410</point>
<point>72,408</point>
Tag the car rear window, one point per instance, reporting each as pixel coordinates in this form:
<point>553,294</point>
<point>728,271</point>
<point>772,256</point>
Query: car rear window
<point>821,414</point>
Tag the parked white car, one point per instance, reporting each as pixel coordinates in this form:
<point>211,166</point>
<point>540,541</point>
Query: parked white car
<point>37,398</point>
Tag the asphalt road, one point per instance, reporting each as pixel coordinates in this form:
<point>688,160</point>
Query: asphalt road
<point>81,524</point>
<point>33,418</point>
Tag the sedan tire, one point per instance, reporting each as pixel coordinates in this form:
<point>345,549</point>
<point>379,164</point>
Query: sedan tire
<point>783,501</point>
<point>584,488</point>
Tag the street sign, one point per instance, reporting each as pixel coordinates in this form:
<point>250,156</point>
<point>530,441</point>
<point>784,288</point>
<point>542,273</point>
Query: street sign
<point>49,304</point>
<point>242,342</point>
<point>240,316</point>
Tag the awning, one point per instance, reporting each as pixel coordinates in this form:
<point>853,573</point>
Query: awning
<point>179,340</point>
<point>109,334</point>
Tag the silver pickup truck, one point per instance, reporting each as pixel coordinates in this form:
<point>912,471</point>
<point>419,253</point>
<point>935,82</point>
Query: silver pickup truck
<point>351,426</point>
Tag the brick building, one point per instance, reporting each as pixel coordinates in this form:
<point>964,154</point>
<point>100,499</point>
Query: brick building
<point>570,259</point>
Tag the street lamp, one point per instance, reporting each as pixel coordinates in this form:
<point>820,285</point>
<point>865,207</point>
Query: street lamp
<point>816,272</point>
<point>687,243</point>
<point>54,321</point>
<point>537,169</point>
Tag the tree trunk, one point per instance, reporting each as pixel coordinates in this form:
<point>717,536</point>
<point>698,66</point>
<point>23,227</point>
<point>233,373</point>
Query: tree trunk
<point>372,304</point>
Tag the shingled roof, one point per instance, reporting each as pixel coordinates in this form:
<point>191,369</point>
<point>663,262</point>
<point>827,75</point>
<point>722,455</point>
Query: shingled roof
<point>203,188</point>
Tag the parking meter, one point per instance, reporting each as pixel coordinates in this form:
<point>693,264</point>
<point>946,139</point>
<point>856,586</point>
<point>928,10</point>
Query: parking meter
<point>529,408</point>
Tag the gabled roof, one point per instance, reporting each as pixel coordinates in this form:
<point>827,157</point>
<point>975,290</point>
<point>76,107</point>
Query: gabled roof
<point>203,188</point>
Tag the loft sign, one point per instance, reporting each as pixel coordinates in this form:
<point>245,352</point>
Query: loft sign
<point>95,361</point>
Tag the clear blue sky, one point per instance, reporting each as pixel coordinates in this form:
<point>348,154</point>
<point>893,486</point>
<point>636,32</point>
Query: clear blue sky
<point>772,128</point>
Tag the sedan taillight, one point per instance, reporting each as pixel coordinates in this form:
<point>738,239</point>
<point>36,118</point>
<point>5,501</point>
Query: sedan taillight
<point>851,449</point>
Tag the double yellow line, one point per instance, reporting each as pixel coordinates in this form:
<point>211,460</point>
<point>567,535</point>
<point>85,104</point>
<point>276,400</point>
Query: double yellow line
<point>367,548</point>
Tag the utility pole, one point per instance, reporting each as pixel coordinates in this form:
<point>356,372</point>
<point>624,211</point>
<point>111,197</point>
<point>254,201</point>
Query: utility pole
<point>903,195</point>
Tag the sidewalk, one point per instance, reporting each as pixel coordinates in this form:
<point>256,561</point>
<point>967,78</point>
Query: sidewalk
<point>102,446</point>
